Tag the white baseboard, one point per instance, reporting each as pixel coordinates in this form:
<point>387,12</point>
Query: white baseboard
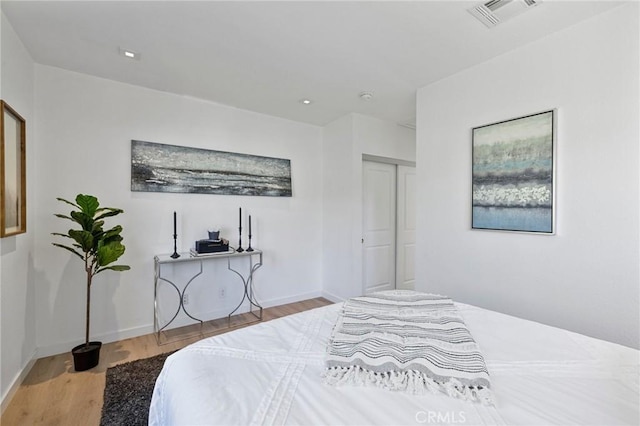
<point>291,299</point>
<point>181,321</point>
<point>17,381</point>
<point>332,297</point>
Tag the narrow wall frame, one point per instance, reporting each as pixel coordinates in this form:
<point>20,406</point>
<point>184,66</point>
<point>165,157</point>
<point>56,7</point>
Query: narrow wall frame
<point>13,185</point>
<point>513,174</point>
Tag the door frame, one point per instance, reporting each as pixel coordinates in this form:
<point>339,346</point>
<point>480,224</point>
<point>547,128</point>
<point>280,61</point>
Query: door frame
<point>376,159</point>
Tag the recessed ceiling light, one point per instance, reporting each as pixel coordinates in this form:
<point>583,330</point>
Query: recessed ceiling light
<point>306,101</point>
<point>366,96</point>
<point>127,53</point>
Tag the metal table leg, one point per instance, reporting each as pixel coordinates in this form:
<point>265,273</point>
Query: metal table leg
<point>157,278</point>
<point>248,288</point>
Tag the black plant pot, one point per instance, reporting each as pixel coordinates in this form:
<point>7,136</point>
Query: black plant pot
<point>86,357</point>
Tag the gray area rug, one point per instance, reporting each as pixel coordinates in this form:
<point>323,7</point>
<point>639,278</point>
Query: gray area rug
<point>128,390</point>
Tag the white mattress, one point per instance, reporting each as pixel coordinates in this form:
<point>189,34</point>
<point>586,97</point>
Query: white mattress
<point>270,373</point>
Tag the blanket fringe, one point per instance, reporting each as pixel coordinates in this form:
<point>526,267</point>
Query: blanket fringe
<point>410,381</point>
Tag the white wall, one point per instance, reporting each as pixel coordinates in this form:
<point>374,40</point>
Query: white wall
<point>586,278</point>
<point>337,209</point>
<point>17,300</point>
<point>346,140</point>
<point>84,132</point>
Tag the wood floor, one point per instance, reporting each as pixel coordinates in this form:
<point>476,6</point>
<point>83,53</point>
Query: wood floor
<point>54,394</point>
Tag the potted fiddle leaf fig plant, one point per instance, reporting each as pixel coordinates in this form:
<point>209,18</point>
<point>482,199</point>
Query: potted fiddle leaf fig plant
<point>97,248</point>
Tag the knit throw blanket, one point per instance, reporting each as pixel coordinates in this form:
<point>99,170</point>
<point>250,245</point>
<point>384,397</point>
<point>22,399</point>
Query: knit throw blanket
<point>406,341</point>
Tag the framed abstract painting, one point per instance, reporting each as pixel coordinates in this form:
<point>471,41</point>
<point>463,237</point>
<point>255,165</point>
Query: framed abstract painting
<point>513,176</point>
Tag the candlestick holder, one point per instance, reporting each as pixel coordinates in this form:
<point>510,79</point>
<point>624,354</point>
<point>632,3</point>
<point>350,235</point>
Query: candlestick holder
<point>239,249</point>
<point>175,254</point>
<point>249,248</point>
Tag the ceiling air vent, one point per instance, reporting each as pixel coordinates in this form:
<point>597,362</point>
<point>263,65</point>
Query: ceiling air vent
<point>495,12</point>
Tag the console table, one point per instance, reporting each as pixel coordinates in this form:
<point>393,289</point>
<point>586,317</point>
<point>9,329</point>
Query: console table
<point>255,262</point>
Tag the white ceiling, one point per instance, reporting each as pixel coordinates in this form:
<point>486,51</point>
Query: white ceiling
<point>266,56</point>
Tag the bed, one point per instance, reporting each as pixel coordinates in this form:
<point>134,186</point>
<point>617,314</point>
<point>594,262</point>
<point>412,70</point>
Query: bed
<point>271,373</point>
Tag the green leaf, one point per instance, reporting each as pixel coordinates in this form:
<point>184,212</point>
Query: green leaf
<point>69,249</point>
<point>108,212</point>
<point>97,226</point>
<point>83,238</point>
<point>62,216</point>
<point>113,232</point>
<point>60,234</point>
<point>68,202</point>
<point>83,219</point>
<point>109,253</point>
<point>88,204</point>
<point>111,240</point>
<point>111,236</point>
<point>118,268</point>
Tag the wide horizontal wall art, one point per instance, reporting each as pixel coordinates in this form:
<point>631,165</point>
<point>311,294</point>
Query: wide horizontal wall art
<point>158,167</point>
<point>513,174</point>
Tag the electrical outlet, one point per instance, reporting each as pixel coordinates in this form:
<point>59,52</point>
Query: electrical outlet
<point>222,293</point>
<point>185,299</point>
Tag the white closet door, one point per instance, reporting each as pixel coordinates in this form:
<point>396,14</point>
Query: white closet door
<point>379,226</point>
<point>406,233</point>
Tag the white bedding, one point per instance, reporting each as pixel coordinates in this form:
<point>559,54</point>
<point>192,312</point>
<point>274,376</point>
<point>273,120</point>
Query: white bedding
<point>271,373</point>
